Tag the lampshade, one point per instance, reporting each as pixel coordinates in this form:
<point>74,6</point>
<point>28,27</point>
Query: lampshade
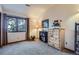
<point>37,25</point>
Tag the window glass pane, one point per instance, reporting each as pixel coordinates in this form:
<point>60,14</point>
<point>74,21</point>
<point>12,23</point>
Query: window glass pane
<point>11,24</point>
<point>21,25</point>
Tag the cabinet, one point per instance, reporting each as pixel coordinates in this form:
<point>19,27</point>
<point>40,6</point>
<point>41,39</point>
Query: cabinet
<point>56,38</point>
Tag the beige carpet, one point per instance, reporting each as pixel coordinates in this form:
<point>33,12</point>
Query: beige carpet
<point>30,48</point>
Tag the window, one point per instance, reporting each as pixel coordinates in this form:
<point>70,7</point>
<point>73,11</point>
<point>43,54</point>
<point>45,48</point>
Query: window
<point>21,25</point>
<point>16,24</point>
<point>11,24</point>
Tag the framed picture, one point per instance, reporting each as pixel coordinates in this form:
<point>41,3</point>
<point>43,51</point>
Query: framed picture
<point>45,23</point>
<point>56,23</point>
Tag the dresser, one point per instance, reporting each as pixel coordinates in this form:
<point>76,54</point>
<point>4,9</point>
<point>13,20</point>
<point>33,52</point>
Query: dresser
<point>56,38</point>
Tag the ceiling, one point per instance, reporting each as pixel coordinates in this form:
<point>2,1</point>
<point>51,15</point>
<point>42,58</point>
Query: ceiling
<point>32,11</point>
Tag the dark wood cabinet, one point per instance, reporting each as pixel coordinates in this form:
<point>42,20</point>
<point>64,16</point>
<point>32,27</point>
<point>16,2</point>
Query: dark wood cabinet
<point>43,36</point>
<point>77,38</point>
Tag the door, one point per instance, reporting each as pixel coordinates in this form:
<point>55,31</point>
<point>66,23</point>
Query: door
<point>77,38</point>
<point>0,29</point>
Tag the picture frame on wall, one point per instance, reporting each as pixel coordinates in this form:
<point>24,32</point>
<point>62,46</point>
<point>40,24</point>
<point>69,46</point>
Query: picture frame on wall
<point>56,23</point>
<point>45,23</point>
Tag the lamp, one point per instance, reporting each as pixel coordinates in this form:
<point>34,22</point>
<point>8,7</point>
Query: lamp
<point>37,28</point>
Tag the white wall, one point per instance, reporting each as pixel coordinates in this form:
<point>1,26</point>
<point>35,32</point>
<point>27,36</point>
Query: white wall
<point>0,8</point>
<point>18,36</point>
<point>70,31</point>
<point>65,13</point>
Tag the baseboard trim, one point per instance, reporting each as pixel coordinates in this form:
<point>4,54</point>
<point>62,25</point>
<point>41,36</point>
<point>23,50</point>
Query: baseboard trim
<point>69,50</point>
<point>16,42</point>
<point>0,46</point>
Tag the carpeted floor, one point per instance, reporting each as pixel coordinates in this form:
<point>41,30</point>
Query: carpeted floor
<point>30,48</point>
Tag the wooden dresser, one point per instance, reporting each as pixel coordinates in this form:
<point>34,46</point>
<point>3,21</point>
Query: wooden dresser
<point>56,38</point>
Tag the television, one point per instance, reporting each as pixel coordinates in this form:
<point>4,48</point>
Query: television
<point>45,23</point>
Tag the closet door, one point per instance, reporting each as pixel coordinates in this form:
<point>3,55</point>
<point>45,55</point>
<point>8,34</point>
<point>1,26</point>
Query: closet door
<point>77,38</point>
<point>0,29</point>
